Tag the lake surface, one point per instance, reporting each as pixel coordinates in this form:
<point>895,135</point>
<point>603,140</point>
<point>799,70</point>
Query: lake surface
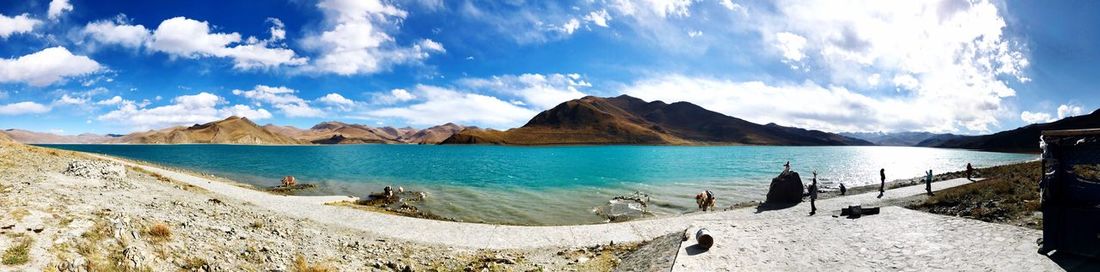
<point>551,185</point>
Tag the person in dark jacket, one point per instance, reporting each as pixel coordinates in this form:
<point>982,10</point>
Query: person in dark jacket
<point>813,194</point>
<point>969,172</point>
<point>882,185</point>
<point>928,182</point>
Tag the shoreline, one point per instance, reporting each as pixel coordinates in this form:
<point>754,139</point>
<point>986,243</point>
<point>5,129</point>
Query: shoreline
<point>424,213</point>
<point>79,221</point>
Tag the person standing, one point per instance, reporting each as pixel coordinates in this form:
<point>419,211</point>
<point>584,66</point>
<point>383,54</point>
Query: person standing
<point>843,190</point>
<point>813,194</point>
<point>882,184</point>
<point>969,172</point>
<point>786,167</point>
<point>928,182</point>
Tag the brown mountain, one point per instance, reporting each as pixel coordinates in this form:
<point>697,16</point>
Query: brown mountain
<point>342,133</point>
<point>1023,139</point>
<point>333,132</point>
<point>31,137</point>
<point>232,130</point>
<point>629,120</point>
<point>433,135</point>
<point>5,139</point>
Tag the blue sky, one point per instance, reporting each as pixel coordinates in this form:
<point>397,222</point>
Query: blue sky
<point>944,66</point>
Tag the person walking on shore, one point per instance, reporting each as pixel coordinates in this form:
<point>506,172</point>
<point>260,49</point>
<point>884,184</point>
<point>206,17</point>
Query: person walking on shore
<point>969,172</point>
<point>813,194</point>
<point>928,182</point>
<point>882,184</point>
<point>843,190</point>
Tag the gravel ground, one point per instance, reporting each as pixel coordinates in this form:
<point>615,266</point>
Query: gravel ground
<point>87,214</point>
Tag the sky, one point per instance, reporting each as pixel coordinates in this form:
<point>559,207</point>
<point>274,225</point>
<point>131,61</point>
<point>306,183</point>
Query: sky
<point>955,66</point>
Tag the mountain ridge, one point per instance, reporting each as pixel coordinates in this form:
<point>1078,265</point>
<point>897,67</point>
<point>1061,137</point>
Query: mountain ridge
<point>629,120</point>
<point>1023,139</point>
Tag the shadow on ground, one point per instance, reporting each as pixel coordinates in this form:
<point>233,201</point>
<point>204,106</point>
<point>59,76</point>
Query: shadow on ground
<point>1071,262</point>
<point>773,206</point>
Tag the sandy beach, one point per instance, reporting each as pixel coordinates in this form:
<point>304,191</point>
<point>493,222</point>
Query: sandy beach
<point>113,213</point>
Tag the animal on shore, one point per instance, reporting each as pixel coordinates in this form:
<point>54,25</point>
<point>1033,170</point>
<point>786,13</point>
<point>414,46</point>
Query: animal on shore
<point>288,181</point>
<point>705,200</point>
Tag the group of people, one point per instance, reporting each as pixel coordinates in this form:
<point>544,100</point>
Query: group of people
<point>706,199</point>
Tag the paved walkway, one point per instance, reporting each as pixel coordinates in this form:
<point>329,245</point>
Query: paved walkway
<point>770,240</point>
<point>897,239</point>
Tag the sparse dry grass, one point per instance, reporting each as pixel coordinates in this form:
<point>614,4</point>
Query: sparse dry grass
<point>160,231</point>
<point>19,252</point>
<point>302,265</point>
<point>194,264</point>
<point>18,214</point>
<point>1009,194</point>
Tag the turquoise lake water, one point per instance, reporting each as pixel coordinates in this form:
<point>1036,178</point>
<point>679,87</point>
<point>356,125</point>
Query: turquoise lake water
<point>551,185</point>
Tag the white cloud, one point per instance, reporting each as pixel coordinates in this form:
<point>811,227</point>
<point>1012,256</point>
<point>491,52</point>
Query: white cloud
<point>439,105</point>
<point>46,67</point>
<point>599,17</point>
<point>116,100</point>
<point>23,108</point>
<point>71,100</point>
<point>660,8</point>
<point>22,23</point>
<point>395,96</point>
<point>189,38</point>
<point>277,30</point>
<point>355,40</point>
<point>956,52</point>
<point>809,105</point>
<point>791,45</point>
<point>539,91</point>
<point>58,7</point>
<point>1069,111</point>
<point>1035,117</point>
<point>570,26</point>
<point>695,33</point>
<point>729,4</point>
<point>184,110</point>
<point>336,99</point>
<point>117,32</point>
<point>281,98</point>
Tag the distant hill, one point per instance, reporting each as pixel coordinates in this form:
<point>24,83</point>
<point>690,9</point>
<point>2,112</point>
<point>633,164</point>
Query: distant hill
<point>333,132</point>
<point>31,137</point>
<point>5,139</point>
<point>434,135</point>
<point>232,130</point>
<point>896,138</point>
<point>1023,139</point>
<point>629,120</point>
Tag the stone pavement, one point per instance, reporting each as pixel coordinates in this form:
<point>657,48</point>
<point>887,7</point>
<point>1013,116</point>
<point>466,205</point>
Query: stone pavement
<point>787,239</point>
<point>897,239</point>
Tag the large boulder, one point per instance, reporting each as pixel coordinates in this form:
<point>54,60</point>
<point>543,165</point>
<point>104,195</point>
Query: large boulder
<point>785,189</point>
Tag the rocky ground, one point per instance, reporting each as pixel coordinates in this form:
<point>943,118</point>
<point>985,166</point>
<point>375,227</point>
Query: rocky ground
<point>1009,195</point>
<point>64,211</point>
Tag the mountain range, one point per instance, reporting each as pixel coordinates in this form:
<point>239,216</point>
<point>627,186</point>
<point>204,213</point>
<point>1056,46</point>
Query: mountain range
<point>239,130</point>
<point>909,138</point>
<point>629,120</point>
<point>1023,139</point>
<point>588,120</point>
